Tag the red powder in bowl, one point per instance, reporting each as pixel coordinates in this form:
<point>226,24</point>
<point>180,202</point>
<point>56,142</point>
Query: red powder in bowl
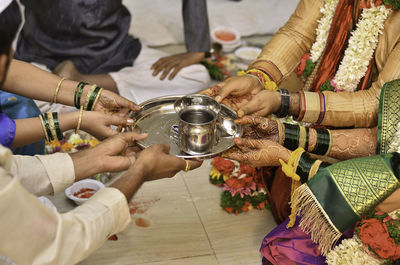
<point>225,35</point>
<point>84,193</point>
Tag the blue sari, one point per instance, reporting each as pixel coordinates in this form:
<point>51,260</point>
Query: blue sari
<point>17,107</point>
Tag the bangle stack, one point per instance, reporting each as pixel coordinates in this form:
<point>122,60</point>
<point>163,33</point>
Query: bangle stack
<point>324,142</point>
<point>296,136</point>
<point>78,94</point>
<point>262,77</point>
<point>285,103</point>
<point>312,107</point>
<point>91,97</point>
<point>51,126</point>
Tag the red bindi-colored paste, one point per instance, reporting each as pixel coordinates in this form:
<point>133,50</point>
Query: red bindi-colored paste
<point>84,193</point>
<point>225,35</point>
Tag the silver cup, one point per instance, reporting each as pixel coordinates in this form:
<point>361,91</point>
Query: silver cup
<point>197,123</point>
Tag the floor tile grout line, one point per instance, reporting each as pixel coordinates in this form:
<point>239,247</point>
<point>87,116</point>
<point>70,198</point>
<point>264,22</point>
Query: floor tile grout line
<point>201,221</point>
<point>182,258</point>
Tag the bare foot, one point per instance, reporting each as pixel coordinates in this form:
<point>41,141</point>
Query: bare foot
<point>67,70</point>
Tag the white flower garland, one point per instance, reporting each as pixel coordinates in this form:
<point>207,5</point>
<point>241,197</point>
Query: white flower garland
<point>362,43</point>
<point>324,25</point>
<point>350,252</point>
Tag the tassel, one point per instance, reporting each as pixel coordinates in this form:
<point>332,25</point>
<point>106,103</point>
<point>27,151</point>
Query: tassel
<point>314,220</point>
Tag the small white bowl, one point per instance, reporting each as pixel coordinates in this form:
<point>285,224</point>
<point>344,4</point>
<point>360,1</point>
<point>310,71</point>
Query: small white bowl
<point>215,34</point>
<point>247,54</point>
<point>77,186</point>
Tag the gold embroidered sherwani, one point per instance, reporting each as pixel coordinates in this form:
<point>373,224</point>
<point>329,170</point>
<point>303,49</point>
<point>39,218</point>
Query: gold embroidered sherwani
<point>282,54</point>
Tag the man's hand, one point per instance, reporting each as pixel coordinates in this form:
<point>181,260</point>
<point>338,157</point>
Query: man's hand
<point>156,163</point>
<point>112,155</point>
<point>152,163</point>
<point>175,63</point>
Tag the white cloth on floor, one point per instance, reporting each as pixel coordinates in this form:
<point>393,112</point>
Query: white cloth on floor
<point>137,82</point>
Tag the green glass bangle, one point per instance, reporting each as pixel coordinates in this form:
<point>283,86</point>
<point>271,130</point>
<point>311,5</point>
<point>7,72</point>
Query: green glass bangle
<point>323,142</point>
<point>57,126</point>
<point>47,126</point>
<point>92,98</point>
<point>304,167</point>
<point>292,134</point>
<point>78,93</point>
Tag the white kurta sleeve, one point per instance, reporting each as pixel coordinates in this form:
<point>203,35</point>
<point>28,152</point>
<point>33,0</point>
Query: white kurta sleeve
<point>44,174</point>
<point>34,234</point>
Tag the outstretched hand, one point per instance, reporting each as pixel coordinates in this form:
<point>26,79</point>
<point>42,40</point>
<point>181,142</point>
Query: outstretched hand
<point>234,102</point>
<point>155,162</point>
<point>171,65</point>
<point>110,102</point>
<point>239,86</point>
<point>115,154</point>
<point>264,103</point>
<point>98,123</point>
<point>258,152</point>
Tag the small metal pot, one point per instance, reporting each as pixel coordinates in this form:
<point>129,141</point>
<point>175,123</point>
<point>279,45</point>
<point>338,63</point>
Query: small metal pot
<point>197,123</point>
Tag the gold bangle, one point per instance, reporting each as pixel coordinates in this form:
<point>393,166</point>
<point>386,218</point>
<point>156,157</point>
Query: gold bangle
<point>268,84</point>
<point>44,129</point>
<point>52,125</point>
<point>302,137</point>
<point>187,168</point>
<point>79,120</point>
<point>97,97</point>
<point>89,93</point>
<point>281,135</point>
<point>314,169</point>
<point>57,89</point>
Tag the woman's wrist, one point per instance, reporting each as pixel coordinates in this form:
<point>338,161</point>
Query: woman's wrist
<point>68,121</point>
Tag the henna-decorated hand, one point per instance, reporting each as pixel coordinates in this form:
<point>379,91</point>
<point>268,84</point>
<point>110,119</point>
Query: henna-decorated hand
<point>109,102</point>
<point>259,128</point>
<point>257,152</point>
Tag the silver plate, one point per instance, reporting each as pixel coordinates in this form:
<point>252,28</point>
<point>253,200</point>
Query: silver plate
<point>159,119</point>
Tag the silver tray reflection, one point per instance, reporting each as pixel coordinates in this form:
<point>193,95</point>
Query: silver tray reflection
<point>159,119</point>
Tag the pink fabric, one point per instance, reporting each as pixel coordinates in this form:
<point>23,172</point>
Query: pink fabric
<point>290,247</point>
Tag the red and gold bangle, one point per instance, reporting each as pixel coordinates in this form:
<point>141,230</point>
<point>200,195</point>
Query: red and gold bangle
<point>322,107</point>
<point>302,103</point>
<point>264,77</point>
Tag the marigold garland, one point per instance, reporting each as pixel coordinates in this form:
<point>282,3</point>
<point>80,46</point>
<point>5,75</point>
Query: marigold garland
<point>242,188</point>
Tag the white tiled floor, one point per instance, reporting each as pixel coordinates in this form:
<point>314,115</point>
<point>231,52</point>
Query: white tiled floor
<point>183,224</point>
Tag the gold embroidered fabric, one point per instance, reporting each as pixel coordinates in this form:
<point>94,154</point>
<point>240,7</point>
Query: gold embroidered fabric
<point>363,182</point>
<point>282,54</point>
<point>389,115</point>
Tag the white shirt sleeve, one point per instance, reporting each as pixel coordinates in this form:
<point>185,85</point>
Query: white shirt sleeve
<point>34,234</point>
<point>44,174</point>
